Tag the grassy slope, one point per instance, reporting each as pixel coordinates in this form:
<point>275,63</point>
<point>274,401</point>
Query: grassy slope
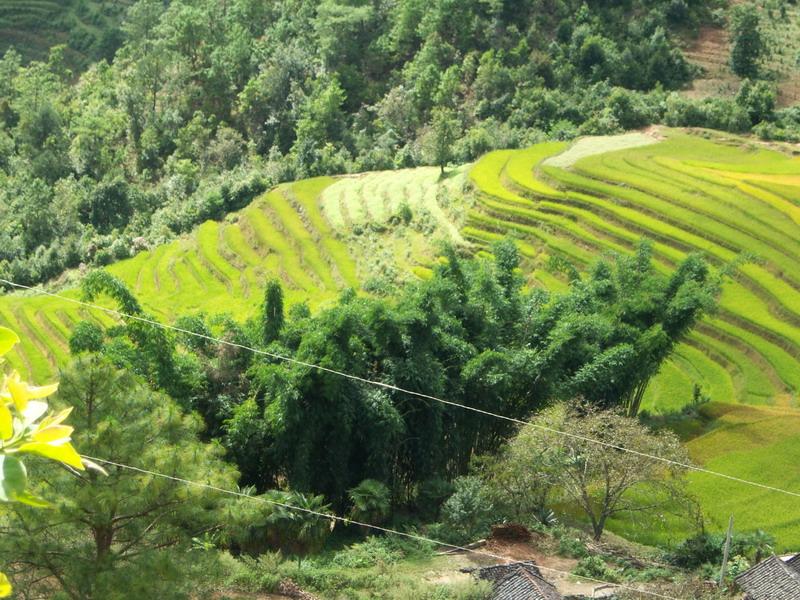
<point>757,443</point>
<point>711,50</point>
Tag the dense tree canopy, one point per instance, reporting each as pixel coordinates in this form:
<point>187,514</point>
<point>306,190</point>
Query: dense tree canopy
<point>472,334</point>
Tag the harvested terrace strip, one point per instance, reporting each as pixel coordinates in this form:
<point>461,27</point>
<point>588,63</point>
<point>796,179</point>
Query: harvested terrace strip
<point>604,201</point>
<point>378,197</point>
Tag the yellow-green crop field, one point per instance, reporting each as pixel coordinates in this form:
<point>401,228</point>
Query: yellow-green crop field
<point>687,194</point>
<point>685,191</point>
<point>290,233</point>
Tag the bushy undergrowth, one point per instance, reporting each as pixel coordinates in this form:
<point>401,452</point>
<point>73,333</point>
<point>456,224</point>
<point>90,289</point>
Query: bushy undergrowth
<point>705,548</point>
<point>369,553</point>
<point>594,567</point>
<point>351,573</point>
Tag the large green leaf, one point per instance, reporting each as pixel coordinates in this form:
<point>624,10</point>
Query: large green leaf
<point>31,500</point>
<point>13,478</point>
<point>7,340</point>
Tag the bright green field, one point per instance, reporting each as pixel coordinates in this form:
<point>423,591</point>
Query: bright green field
<point>757,443</point>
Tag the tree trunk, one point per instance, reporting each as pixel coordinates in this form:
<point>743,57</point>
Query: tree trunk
<point>599,527</point>
<point>103,538</point>
<point>635,402</point>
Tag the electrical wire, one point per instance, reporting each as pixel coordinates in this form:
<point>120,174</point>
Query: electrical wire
<point>337,518</point>
<point>289,359</point>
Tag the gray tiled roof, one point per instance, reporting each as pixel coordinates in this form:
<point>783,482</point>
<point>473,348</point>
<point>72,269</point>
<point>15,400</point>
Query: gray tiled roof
<point>794,562</point>
<point>495,573</point>
<point>772,579</point>
<point>518,581</point>
<point>523,585</point>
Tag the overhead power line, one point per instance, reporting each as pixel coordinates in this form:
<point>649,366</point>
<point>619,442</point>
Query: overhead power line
<point>344,520</point>
<point>389,386</point>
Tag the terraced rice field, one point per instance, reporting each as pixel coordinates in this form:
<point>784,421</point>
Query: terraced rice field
<point>375,198</point>
<point>222,266</point>
<point>684,192</point>
<point>687,194</point>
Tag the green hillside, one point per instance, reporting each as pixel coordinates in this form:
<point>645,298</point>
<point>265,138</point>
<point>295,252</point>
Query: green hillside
<point>322,235</point>
<point>687,194</point>
<point>746,200</point>
<point>711,51</point>
<point>599,195</point>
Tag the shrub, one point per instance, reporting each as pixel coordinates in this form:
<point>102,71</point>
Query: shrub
<point>86,337</point>
<point>369,553</point>
<point>647,574</point>
<point>713,113</point>
<point>758,99</point>
<point>571,545</point>
<point>737,565</point>
<point>708,548</point>
<point>253,574</point>
<point>371,501</point>
<point>467,514</point>
<point>563,130</point>
<point>238,191</point>
<point>595,567</point>
<point>698,550</point>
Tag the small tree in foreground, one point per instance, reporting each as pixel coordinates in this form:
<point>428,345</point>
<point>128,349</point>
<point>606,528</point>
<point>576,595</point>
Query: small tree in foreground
<point>599,479</point>
<point>272,318</point>
<point>521,478</point>
<point>126,534</point>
